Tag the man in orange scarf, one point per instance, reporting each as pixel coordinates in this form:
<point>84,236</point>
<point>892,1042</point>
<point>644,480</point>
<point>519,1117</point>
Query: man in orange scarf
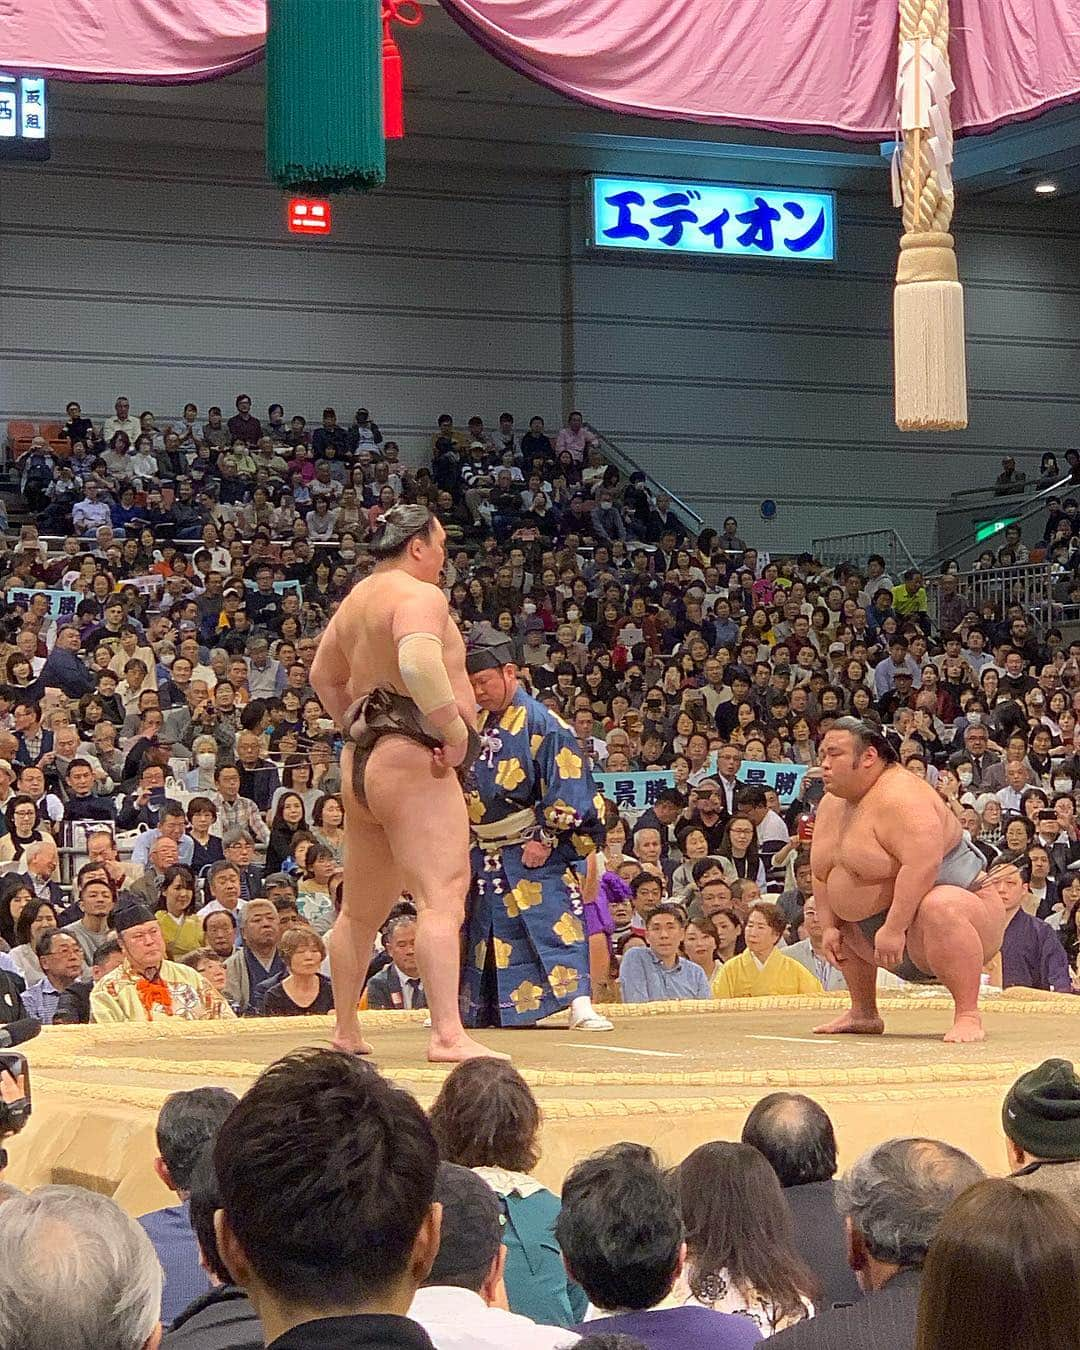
<point>145,986</point>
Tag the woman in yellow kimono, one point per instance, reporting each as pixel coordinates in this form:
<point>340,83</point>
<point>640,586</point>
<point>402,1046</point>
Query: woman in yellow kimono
<point>762,971</point>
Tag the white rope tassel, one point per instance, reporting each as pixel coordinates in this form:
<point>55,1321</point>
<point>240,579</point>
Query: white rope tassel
<point>928,303</point>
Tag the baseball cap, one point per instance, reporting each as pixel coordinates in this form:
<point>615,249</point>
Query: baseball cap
<point>534,624</point>
<point>1041,1112</point>
<point>836,648</point>
<point>471,1224</point>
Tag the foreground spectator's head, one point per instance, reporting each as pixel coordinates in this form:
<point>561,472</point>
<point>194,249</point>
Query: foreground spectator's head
<point>76,1272</point>
<point>327,1181</point>
<point>486,1116</point>
<point>1041,1115</point>
<point>471,1254</point>
<point>796,1137</point>
<point>739,1228</point>
<point>619,1228</point>
<point>187,1124</point>
<point>892,1201</point>
<point>1003,1272</point>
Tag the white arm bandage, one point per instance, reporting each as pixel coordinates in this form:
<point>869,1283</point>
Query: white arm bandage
<point>420,660</point>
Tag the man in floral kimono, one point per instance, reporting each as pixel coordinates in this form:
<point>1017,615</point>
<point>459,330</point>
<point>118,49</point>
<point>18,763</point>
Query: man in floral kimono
<point>146,987</point>
<point>534,814</point>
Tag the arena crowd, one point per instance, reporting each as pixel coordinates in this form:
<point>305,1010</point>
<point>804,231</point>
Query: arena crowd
<point>163,755</point>
<point>325,1209</point>
<point>172,846</point>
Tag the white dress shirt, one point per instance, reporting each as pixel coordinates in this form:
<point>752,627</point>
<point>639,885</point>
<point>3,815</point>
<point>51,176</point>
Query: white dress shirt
<point>458,1319</point>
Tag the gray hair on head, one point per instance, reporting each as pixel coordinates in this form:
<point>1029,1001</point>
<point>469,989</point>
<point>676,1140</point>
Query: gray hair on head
<point>896,1193</point>
<point>400,526</point>
<point>31,851</point>
<point>77,1272</point>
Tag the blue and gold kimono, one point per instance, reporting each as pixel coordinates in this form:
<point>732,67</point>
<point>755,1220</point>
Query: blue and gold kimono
<point>527,955</point>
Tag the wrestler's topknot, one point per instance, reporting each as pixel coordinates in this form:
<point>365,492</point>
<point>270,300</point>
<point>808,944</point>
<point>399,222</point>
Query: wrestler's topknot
<point>397,528</point>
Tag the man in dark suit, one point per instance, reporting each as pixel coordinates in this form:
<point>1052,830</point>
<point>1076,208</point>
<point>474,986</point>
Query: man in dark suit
<point>398,985</point>
<point>796,1137</point>
<point>661,816</point>
<point>976,752</point>
<point>891,1201</point>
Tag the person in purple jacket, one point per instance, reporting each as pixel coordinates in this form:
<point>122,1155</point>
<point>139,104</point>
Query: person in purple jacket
<point>621,1237</point>
<point>1031,952</point>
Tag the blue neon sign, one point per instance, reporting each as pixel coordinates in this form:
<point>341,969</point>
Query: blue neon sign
<point>789,224</point>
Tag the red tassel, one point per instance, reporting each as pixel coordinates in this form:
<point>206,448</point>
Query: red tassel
<point>410,14</point>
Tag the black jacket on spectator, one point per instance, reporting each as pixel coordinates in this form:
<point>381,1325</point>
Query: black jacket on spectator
<point>259,783</point>
<point>11,1004</point>
<point>362,1331</point>
<point>820,1241</point>
<point>223,1319</point>
<point>881,1321</point>
<point>90,807</point>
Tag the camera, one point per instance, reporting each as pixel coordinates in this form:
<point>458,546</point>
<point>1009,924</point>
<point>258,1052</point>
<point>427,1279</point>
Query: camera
<point>14,1111</point>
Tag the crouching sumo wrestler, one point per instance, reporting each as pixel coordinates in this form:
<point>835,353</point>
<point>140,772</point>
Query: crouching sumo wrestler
<point>897,884</point>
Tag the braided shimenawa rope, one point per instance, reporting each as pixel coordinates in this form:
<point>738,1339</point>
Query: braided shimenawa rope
<point>926,206</point>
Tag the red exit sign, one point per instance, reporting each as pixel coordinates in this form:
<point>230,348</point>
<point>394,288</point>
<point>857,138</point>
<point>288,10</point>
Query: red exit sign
<point>309,215</point>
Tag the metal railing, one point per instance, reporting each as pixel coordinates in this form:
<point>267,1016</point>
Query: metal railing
<point>1029,585</point>
<point>973,545</point>
<point>627,465</point>
<point>856,547</point>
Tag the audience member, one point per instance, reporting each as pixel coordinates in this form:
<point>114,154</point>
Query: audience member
<point>796,1137</point>
<point>1003,1272</point>
<point>327,1183</point>
<point>303,990</point>
<point>462,1303</point>
<point>257,959</point>
<point>762,969</point>
<point>740,1254</point>
<point>622,1239</point>
<point>76,1272</point>
<point>892,1201</point>
<point>187,1125</point>
<point>222,1318</point>
<point>657,971</point>
<point>398,984</point>
<point>486,1117</point>
<point>1041,1120</point>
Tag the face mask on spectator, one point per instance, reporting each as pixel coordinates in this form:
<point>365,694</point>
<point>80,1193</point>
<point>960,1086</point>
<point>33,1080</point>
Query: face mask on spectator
<point>965,776</point>
<point>205,759</point>
<point>1063,784</point>
<point>573,615</point>
<point>974,719</point>
<point>529,607</point>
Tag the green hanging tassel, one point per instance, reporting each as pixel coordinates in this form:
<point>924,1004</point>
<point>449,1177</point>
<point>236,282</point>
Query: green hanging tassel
<point>324,117</point>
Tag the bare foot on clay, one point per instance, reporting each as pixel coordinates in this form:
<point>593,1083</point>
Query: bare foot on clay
<point>351,1041</point>
<point>464,1047</point>
<point>967,1027</point>
<point>851,1025</point>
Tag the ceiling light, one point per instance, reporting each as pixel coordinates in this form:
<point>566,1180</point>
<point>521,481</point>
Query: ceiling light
<point>1045,189</point>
